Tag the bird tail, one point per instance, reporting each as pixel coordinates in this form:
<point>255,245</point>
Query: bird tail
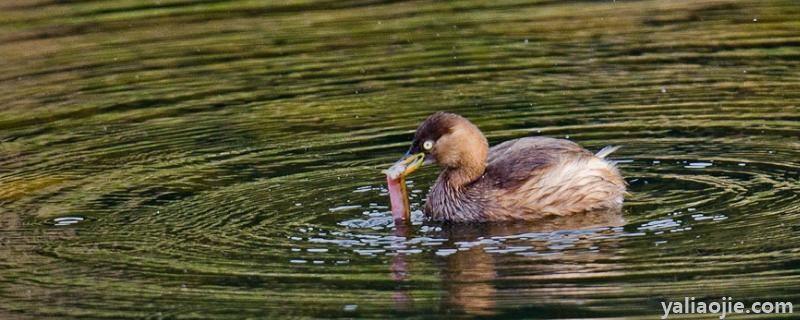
<point>606,151</point>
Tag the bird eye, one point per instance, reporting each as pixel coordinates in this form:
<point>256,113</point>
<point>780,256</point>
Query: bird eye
<point>427,145</point>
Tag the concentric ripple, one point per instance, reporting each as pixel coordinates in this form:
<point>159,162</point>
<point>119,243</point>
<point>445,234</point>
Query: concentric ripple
<point>221,160</point>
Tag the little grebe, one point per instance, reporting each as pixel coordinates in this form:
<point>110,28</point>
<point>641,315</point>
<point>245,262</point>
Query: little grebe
<point>523,179</point>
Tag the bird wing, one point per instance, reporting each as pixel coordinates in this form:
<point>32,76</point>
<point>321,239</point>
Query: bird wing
<point>511,163</point>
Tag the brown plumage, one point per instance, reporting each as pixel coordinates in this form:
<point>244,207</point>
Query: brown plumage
<point>523,179</point>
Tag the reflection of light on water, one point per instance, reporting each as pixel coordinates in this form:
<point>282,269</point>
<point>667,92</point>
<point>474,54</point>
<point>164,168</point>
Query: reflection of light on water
<point>701,217</point>
<point>698,165</point>
<point>350,307</point>
<point>66,221</point>
<point>344,208</point>
<point>379,220</point>
<point>660,224</point>
<point>430,239</point>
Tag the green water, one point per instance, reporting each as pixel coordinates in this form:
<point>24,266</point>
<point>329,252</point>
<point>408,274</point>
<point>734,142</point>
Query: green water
<point>221,159</point>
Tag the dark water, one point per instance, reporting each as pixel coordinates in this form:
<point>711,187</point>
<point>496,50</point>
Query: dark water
<point>221,159</point>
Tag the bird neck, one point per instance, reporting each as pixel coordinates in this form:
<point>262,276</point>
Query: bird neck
<point>453,196</point>
<point>459,177</point>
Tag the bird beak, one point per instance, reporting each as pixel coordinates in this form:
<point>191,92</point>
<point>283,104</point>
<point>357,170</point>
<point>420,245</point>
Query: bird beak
<point>405,166</point>
<point>412,163</point>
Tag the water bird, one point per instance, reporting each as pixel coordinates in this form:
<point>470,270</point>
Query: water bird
<point>525,179</point>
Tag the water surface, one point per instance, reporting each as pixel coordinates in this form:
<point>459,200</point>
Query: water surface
<point>221,159</point>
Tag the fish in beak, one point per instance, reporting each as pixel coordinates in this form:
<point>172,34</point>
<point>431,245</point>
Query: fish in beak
<point>396,183</point>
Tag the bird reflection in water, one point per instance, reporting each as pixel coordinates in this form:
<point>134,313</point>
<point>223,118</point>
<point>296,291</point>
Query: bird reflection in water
<point>400,271</point>
<point>470,274</point>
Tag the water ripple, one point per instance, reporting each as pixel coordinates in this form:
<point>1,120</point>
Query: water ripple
<point>187,159</point>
